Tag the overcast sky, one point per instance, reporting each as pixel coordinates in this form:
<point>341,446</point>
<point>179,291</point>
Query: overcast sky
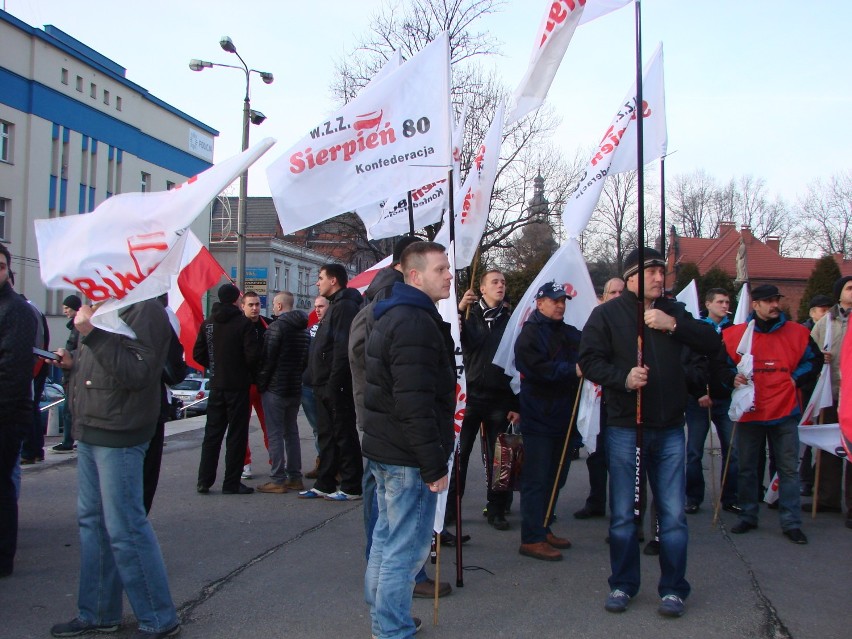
<point>758,87</point>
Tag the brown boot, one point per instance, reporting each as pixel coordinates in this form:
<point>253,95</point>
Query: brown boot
<point>542,550</point>
<point>558,542</point>
<point>312,474</point>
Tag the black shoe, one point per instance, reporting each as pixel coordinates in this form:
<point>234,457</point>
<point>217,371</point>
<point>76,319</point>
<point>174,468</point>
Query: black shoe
<point>62,448</point>
<point>690,509</point>
<point>449,539</point>
<point>652,547</point>
<point>806,490</point>
<point>796,536</point>
<point>732,508</point>
<point>242,489</point>
<point>587,513</point>
<point>418,624</point>
<point>498,522</point>
<point>202,489</point>
<point>77,627</point>
<point>172,632</point>
<point>742,527</point>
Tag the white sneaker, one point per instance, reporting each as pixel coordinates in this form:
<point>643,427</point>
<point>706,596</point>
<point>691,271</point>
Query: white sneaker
<point>247,472</point>
<point>339,495</point>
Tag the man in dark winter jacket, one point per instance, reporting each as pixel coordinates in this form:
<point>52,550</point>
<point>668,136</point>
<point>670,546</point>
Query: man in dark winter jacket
<point>340,451</point>
<point>227,346</point>
<point>608,357</point>
<point>408,430</point>
<point>546,356</point>
<point>70,306</point>
<point>17,338</point>
<point>490,400</point>
<point>283,360</point>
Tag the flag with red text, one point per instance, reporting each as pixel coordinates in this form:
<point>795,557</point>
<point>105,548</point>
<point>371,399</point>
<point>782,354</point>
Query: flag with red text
<point>392,137</point>
<point>616,152</point>
<point>554,35</point>
<point>199,272</point>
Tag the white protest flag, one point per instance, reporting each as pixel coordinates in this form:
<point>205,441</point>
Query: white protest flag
<point>458,142</point>
<point>823,436</point>
<point>820,398</point>
<point>616,152</point>
<point>391,65</point>
<point>568,268</point>
<point>589,414</point>
<point>743,305</point>
<point>742,399</point>
<point>554,35</point>
<point>109,254</point>
<point>689,297</point>
<point>473,200</point>
<point>394,136</point>
<point>449,310</point>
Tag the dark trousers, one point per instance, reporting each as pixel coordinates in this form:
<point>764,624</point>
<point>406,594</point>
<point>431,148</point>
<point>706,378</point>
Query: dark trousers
<point>227,412</point>
<point>541,462</point>
<point>11,436</point>
<point>152,463</point>
<point>339,446</point>
<point>33,445</point>
<point>493,415</point>
<point>596,465</point>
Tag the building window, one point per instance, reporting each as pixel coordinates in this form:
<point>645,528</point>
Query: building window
<point>169,185</point>
<point>276,283</point>
<point>4,211</point>
<point>6,139</point>
<point>80,84</point>
<point>117,103</point>
<point>93,90</point>
<point>64,76</point>
<point>304,281</point>
<point>145,184</point>
<point>106,96</point>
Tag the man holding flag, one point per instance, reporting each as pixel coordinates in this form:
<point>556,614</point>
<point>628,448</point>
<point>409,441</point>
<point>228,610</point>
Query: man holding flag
<point>608,357</point>
<point>409,403</point>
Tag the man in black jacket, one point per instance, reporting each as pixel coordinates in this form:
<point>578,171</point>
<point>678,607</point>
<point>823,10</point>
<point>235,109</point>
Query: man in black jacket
<point>70,306</point>
<point>608,357</point>
<point>227,346</point>
<point>283,360</point>
<point>339,449</point>
<point>409,404</point>
<point>490,400</point>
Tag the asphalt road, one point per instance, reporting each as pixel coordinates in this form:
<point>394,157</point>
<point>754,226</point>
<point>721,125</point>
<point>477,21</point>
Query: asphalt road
<point>275,566</point>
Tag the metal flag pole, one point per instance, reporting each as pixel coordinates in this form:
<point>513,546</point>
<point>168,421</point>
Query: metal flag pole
<point>640,237</point>
<point>410,214</point>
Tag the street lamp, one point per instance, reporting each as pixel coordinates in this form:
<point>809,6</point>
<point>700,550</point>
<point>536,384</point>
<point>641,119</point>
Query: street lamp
<point>249,116</point>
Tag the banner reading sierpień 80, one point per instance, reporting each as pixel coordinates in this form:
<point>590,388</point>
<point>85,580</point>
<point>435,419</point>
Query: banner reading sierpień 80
<point>394,136</point>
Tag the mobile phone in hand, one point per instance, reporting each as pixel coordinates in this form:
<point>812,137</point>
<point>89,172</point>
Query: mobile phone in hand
<point>46,354</point>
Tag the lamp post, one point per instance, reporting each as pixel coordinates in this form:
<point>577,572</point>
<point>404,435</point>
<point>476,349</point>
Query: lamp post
<point>249,116</point>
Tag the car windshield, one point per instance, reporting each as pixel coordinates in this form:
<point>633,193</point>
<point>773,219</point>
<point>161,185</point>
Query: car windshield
<point>188,384</point>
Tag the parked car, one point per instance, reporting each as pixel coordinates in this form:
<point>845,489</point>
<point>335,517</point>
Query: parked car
<point>193,392</point>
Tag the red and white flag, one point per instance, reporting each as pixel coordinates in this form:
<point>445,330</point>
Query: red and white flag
<point>616,152</point>
<point>554,35</point>
<point>845,407</point>
<point>449,310</point>
<point>363,280</point>
<point>473,200</point>
<point>122,252</point>
<point>393,137</point>
<point>199,272</point>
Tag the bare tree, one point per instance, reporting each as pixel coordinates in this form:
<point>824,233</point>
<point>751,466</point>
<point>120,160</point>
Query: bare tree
<point>691,200</point>
<point>826,212</point>
<point>612,230</point>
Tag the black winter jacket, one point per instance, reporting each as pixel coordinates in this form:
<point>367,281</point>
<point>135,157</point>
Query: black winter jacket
<point>17,338</point>
<point>329,354</point>
<point>485,381</point>
<point>410,398</point>
<point>284,355</point>
<point>608,352</point>
<point>227,346</point>
<point>546,354</point>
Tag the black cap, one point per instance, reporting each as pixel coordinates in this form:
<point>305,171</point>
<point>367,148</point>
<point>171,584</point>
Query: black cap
<point>73,302</point>
<point>402,244</point>
<point>820,300</point>
<point>552,290</point>
<point>764,292</point>
<point>228,293</point>
<point>838,286</point>
<point>631,263</point>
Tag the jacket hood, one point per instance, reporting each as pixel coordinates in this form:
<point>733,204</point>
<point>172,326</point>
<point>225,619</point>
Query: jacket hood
<point>382,284</point>
<point>350,294</point>
<point>224,312</point>
<point>295,318</point>
<point>537,317</point>
<point>404,295</point>
<point>764,326</point>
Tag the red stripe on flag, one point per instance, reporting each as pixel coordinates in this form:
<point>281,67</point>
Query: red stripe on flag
<point>195,279</point>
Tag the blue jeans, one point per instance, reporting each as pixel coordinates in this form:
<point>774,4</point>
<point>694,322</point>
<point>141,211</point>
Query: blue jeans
<point>538,474</point>
<point>401,541</point>
<point>663,460</point>
<point>309,404</point>
<point>697,427</point>
<point>118,547</point>
<point>285,450</point>
<point>784,441</point>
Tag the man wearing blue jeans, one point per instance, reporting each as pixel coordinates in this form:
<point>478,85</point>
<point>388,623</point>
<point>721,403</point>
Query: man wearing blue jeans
<point>115,392</point>
<point>608,357</point>
<point>409,402</point>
